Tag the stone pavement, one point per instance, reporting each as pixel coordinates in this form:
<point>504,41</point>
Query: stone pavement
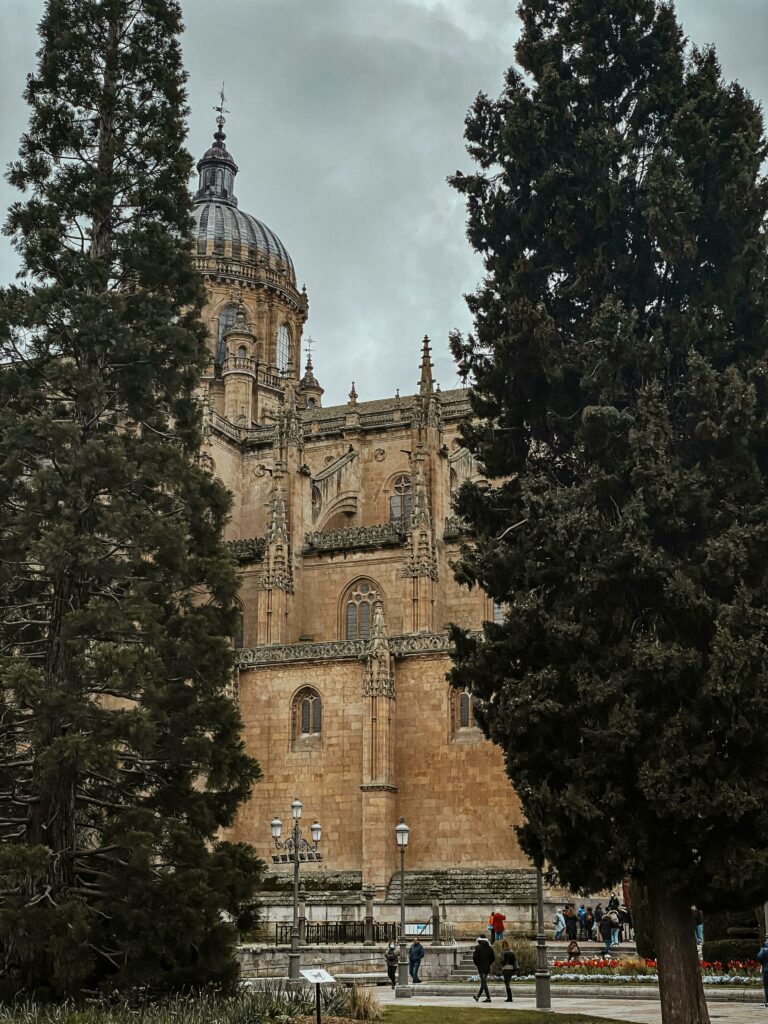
<point>637,1011</point>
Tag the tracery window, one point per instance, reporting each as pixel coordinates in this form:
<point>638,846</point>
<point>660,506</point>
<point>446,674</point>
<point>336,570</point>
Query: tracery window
<point>283,346</point>
<point>317,503</point>
<point>401,502</point>
<point>226,320</point>
<point>463,725</point>
<point>359,610</point>
<point>306,719</point>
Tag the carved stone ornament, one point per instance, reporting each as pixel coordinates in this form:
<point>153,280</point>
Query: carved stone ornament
<point>379,455</point>
<point>379,536</point>
<point>205,462</point>
<point>246,549</point>
<point>403,646</point>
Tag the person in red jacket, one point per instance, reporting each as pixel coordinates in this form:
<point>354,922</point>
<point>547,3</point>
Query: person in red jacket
<point>497,920</point>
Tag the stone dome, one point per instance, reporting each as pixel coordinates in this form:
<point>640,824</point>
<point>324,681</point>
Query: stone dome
<point>221,229</point>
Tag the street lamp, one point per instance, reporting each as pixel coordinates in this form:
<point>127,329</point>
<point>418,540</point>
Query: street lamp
<point>401,834</point>
<point>543,991</point>
<point>296,848</point>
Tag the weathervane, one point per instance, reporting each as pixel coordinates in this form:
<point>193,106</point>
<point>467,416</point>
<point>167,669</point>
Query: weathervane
<point>309,343</point>
<point>221,109</point>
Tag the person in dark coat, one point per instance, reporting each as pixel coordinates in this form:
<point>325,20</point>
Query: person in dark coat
<point>589,924</point>
<point>762,959</point>
<point>415,956</point>
<point>571,923</point>
<point>613,902</point>
<point>605,929</point>
<point>509,967</point>
<point>392,956</point>
<point>483,957</point>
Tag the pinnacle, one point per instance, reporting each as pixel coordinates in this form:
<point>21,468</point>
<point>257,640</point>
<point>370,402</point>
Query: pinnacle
<point>425,380</point>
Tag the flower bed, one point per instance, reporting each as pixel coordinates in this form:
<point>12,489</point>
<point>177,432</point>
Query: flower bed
<point>639,971</point>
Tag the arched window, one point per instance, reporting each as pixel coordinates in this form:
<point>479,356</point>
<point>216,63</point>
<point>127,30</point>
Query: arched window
<point>242,352</point>
<point>306,719</point>
<point>359,610</point>
<point>283,346</point>
<point>317,503</point>
<point>463,725</point>
<point>401,501</point>
<point>311,403</point>
<point>226,320</point>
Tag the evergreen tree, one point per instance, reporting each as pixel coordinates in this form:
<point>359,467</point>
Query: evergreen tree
<point>120,756</point>
<point>621,389</point>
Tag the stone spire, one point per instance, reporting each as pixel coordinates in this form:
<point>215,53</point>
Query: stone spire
<point>309,385</point>
<point>425,380</point>
<point>352,395</point>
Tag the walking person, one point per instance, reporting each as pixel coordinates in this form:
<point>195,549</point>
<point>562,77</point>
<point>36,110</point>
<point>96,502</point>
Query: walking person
<point>559,922</point>
<point>392,956</point>
<point>509,967</point>
<point>581,916</point>
<point>415,956</point>
<point>483,957</point>
<point>762,959</point>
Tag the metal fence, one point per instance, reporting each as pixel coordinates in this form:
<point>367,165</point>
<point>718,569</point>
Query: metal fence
<point>334,933</point>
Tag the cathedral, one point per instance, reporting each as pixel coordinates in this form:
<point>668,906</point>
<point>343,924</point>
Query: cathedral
<point>343,533</point>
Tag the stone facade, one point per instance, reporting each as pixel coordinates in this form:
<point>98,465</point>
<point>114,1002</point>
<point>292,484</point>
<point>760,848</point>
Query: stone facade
<point>343,532</point>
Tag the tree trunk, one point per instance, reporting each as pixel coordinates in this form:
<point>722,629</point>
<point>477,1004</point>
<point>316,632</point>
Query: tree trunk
<point>680,985</point>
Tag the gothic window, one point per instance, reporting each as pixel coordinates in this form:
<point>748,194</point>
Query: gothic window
<point>317,503</point>
<point>401,502</point>
<point>306,719</point>
<point>226,320</point>
<point>359,610</point>
<point>283,346</point>
<point>463,726</point>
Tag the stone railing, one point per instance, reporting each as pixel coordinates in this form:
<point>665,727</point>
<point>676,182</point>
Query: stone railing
<point>238,434</point>
<point>337,650</point>
<point>242,270</point>
<point>381,535</point>
<point>246,549</point>
<point>454,527</point>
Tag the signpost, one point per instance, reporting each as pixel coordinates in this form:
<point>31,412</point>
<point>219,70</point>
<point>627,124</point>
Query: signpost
<point>317,976</point>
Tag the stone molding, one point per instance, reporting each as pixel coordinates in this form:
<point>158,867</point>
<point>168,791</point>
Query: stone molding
<point>405,646</point>
<point>372,787</point>
<point>380,535</point>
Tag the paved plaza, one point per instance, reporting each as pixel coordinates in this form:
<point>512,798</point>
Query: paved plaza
<point>637,1011</point>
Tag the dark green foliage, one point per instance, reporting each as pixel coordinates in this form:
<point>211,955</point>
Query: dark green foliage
<point>745,924</point>
<point>120,756</point>
<point>724,950</point>
<point>621,388</point>
<point>642,922</point>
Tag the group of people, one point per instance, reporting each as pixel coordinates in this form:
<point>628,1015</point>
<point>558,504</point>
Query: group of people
<point>415,956</point>
<point>483,957</point>
<point>612,925</point>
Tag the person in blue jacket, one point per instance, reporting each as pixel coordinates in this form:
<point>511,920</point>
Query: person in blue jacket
<point>762,956</point>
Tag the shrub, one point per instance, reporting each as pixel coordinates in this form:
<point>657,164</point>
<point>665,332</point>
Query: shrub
<point>723,950</point>
<point>525,952</point>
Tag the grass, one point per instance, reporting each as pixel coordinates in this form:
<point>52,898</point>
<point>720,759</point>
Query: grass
<point>471,1015</point>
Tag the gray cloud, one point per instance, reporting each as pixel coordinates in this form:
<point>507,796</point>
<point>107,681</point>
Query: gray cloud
<point>346,117</point>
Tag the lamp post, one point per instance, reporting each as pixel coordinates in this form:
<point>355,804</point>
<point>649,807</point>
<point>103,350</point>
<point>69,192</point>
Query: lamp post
<point>543,991</point>
<point>296,847</point>
<point>402,990</point>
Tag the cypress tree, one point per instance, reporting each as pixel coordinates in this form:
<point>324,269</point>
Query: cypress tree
<point>120,755</point>
<point>621,390</point>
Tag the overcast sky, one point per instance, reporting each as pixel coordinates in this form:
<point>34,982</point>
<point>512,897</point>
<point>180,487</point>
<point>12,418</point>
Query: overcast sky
<point>346,117</point>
